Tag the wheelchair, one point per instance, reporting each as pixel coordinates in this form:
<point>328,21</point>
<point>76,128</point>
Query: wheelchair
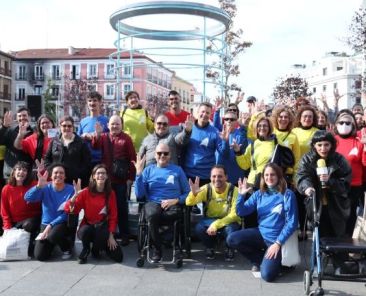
<point>327,249</point>
<point>179,238</point>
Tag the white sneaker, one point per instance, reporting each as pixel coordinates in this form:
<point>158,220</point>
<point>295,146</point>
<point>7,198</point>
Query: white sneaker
<point>66,255</point>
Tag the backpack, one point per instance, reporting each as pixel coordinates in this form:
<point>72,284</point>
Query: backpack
<point>209,197</point>
<point>146,114</point>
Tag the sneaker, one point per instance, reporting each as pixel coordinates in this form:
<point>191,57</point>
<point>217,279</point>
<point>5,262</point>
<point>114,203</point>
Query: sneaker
<point>210,253</point>
<point>156,255</point>
<point>229,254</point>
<point>66,255</point>
<point>255,268</point>
<point>83,257</point>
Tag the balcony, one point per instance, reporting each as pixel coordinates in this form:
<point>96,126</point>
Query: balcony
<point>56,77</point>
<point>37,78</point>
<point>21,76</point>
<point>19,98</point>
<point>5,72</point>
<point>5,96</point>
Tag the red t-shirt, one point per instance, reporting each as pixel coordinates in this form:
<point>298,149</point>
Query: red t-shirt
<point>13,206</point>
<point>352,149</point>
<point>94,206</point>
<point>29,145</point>
<point>177,119</point>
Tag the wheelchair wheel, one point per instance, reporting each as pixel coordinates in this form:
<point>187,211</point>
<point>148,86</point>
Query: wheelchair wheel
<point>141,233</point>
<point>307,282</point>
<point>188,247</point>
<point>140,262</point>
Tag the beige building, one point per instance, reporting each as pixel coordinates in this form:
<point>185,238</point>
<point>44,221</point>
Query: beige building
<point>186,91</point>
<point>5,82</point>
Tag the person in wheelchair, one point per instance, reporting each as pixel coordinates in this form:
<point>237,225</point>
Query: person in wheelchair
<point>165,188</point>
<point>219,217</point>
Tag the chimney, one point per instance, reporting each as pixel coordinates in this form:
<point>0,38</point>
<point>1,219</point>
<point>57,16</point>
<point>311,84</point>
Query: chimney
<point>71,50</point>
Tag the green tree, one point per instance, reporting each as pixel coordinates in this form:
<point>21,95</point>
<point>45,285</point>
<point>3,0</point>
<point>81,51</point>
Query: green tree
<point>49,101</point>
<point>235,45</point>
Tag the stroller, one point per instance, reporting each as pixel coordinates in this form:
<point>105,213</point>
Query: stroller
<point>327,249</point>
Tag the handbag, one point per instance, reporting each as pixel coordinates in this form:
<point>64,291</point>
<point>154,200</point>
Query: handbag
<point>290,249</point>
<point>359,231</point>
<point>14,245</point>
<point>283,156</point>
<point>120,167</point>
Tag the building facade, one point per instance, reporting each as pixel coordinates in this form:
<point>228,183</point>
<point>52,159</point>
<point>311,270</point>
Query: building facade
<point>66,75</point>
<point>5,82</point>
<point>186,90</point>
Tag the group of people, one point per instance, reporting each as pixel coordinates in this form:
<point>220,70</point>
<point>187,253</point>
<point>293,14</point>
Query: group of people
<point>220,158</point>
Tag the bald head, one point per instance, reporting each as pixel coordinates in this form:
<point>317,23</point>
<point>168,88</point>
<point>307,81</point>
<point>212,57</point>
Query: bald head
<point>162,155</point>
<point>115,125</point>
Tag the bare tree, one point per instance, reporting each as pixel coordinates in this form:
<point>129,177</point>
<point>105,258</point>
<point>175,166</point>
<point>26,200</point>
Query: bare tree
<point>234,46</point>
<point>290,88</point>
<point>357,40</point>
<point>156,105</point>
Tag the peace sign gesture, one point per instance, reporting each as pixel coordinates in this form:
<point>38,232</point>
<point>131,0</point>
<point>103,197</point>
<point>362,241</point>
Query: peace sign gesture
<point>42,178</point>
<point>77,186</point>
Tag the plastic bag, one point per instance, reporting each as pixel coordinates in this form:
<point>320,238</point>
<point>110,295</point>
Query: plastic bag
<point>290,251</point>
<point>14,244</point>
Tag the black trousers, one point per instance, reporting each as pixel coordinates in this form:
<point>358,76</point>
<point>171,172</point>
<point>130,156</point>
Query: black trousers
<point>155,216</point>
<point>301,209</point>
<point>355,195</point>
<point>98,236</point>
<point>59,235</point>
<point>30,225</point>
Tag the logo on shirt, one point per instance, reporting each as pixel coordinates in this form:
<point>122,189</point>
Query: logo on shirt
<point>285,143</point>
<point>103,211</point>
<point>170,180</point>
<point>277,209</point>
<point>61,206</point>
<point>142,119</point>
<point>354,151</point>
<point>204,142</point>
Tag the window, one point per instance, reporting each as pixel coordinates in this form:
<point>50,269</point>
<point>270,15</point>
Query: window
<point>55,72</point>
<point>109,73</point>
<point>92,71</point>
<point>55,90</point>
<point>148,90</point>
<point>126,88</point>
<point>38,72</point>
<point>38,90</point>
<point>324,88</point>
<point>339,68</point>
<point>92,87</point>
<point>335,85</point>
<point>109,93</point>
<point>325,70</point>
<point>358,84</point>
<point>127,70</point>
<point>314,90</point>
<point>22,74</point>
<point>149,74</point>
<point>75,72</point>
<point>21,93</point>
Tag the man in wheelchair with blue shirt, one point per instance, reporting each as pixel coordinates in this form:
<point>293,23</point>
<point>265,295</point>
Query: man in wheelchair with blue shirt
<point>164,188</point>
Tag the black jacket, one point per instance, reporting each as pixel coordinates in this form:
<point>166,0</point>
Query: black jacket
<point>76,158</point>
<point>13,155</point>
<point>340,175</point>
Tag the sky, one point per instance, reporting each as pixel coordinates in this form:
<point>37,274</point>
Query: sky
<point>283,32</point>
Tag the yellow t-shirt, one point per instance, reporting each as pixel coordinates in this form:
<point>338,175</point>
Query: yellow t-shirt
<point>2,152</point>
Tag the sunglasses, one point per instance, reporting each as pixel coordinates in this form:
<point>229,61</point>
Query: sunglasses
<point>162,123</point>
<point>162,153</point>
<point>232,110</point>
<point>344,122</point>
<point>230,119</point>
<point>66,125</point>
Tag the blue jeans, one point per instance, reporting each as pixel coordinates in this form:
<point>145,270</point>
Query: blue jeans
<point>250,243</point>
<point>122,208</point>
<point>209,240</point>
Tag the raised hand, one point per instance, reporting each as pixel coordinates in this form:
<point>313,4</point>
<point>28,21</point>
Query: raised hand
<point>8,119</point>
<point>98,128</point>
<point>23,129</point>
<point>235,146</point>
<point>195,187</point>
<point>188,125</point>
<point>40,165</point>
<point>225,132</point>
<point>77,186</point>
<point>219,102</point>
<point>139,163</point>
<point>240,97</point>
<point>243,187</point>
<point>42,178</point>
<point>244,118</point>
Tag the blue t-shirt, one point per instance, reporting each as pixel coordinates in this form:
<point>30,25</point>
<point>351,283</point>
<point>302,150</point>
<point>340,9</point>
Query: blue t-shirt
<point>87,125</point>
<point>159,183</point>
<point>53,202</point>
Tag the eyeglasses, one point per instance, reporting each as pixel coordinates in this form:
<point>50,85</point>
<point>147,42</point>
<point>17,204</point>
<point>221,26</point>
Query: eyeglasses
<point>230,119</point>
<point>162,123</point>
<point>262,126</point>
<point>160,153</point>
<point>344,122</point>
<point>232,110</point>
<point>66,125</point>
